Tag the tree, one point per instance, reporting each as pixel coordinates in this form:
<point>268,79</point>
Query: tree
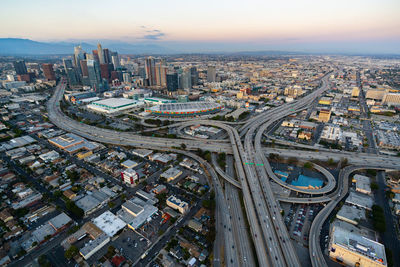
<point>71,252</point>
<point>183,146</point>
<point>374,186</point>
<point>57,193</point>
<point>72,207</point>
<point>371,172</point>
<point>390,194</point>
<point>43,261</point>
<point>72,175</point>
<point>308,165</point>
<point>378,219</point>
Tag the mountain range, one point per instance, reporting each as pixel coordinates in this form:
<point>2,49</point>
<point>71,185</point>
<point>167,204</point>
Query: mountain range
<point>21,47</point>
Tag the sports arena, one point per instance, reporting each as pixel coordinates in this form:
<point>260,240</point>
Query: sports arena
<point>185,109</point>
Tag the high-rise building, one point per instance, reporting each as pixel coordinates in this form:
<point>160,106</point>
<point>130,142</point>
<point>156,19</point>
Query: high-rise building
<point>115,60</point>
<point>104,71</point>
<point>100,53</point>
<point>161,74</point>
<point>194,75</point>
<point>67,63</point>
<point>150,71</point>
<point>84,68</point>
<point>94,74</point>
<point>96,55</point>
<point>126,77</point>
<point>72,76</point>
<point>20,67</point>
<point>48,71</point>
<point>185,79</point>
<point>107,55</point>
<point>211,74</point>
<point>172,82</point>
<point>79,55</point>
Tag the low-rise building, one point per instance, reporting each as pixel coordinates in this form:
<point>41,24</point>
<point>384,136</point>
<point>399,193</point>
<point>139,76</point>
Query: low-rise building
<point>351,214</point>
<point>129,176</point>
<point>171,174</point>
<point>195,225</point>
<point>94,245</point>
<point>129,164</point>
<point>177,204</point>
<point>136,212</point>
<point>88,204</point>
<point>363,184</point>
<point>49,156</point>
<point>109,223</point>
<point>360,200</point>
<point>351,249</point>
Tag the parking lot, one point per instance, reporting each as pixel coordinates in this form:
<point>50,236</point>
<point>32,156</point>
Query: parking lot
<point>130,244</point>
<point>298,221</point>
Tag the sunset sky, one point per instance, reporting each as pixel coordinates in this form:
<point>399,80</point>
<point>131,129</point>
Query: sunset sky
<point>234,24</point>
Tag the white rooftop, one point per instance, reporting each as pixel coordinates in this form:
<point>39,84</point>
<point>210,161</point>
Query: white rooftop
<point>358,244</point>
<point>114,102</point>
<point>109,223</point>
<point>360,200</point>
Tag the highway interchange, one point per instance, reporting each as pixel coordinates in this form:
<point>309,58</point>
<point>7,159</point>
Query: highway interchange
<point>267,231</point>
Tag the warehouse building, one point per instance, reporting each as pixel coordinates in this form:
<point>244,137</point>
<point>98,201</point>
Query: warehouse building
<point>72,143</point>
<point>351,214</point>
<point>114,105</point>
<point>363,184</point>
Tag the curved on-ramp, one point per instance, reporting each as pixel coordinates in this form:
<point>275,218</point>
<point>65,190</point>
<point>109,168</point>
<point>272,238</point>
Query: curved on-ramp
<point>316,255</point>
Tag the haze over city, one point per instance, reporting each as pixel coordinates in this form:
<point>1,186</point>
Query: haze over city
<point>358,26</point>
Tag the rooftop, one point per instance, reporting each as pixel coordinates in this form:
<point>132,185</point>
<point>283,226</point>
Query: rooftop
<point>188,107</point>
<point>109,223</point>
<point>93,244</point>
<point>360,200</point>
<point>114,102</point>
<point>351,213</point>
<point>60,220</point>
<point>363,183</point>
<point>358,244</point>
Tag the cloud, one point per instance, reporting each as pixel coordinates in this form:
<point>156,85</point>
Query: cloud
<point>153,35</point>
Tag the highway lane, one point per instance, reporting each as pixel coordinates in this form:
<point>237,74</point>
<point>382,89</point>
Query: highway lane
<point>230,248</point>
<point>258,211</point>
<point>232,195</point>
<point>108,136</point>
<point>239,227</point>
<point>224,175</point>
<point>122,138</point>
<point>276,114</point>
<point>352,157</point>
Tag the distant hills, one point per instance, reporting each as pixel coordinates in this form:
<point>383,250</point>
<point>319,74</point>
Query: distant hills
<point>18,46</point>
<point>27,47</point>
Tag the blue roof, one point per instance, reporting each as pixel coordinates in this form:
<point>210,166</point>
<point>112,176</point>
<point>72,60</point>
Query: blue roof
<point>281,173</point>
<point>305,181</point>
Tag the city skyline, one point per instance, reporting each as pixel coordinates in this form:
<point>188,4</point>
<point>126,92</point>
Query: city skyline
<point>310,26</point>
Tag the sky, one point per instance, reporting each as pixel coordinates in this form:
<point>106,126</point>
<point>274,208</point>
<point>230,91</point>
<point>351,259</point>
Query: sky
<point>298,25</point>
